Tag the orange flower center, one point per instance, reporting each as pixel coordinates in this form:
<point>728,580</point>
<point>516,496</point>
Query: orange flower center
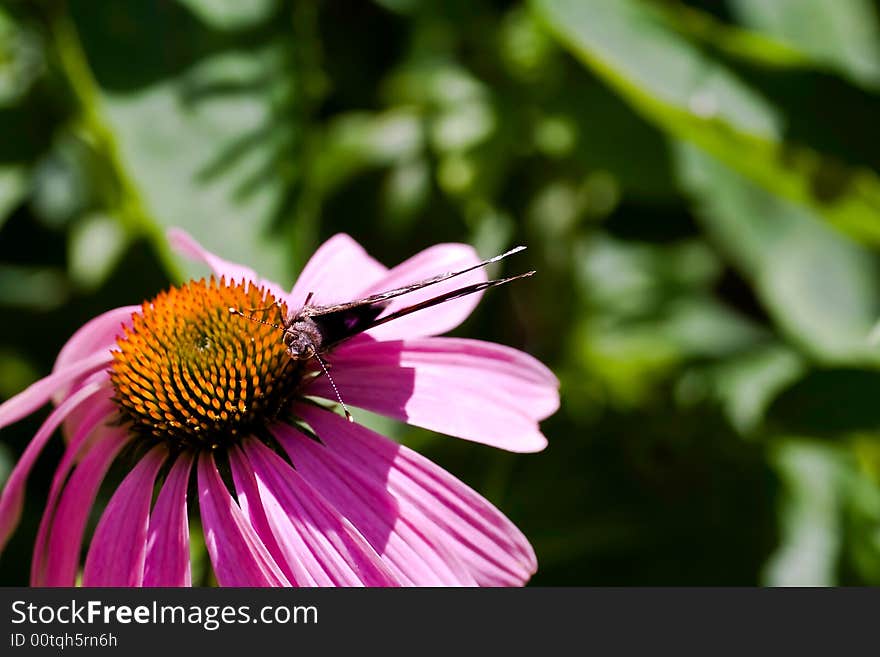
<point>189,371</point>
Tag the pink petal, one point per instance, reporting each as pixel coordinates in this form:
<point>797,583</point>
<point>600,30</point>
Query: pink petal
<point>96,335</point>
<point>340,270</point>
<point>13,492</point>
<point>119,545</point>
<point>437,504</point>
<point>167,561</point>
<point>529,384</point>
<point>71,423</point>
<point>308,530</point>
<point>249,500</point>
<point>184,244</point>
<point>414,559</point>
<point>69,520</point>
<point>444,317</point>
<point>94,419</point>
<point>38,393</point>
<point>237,553</point>
<point>463,388</point>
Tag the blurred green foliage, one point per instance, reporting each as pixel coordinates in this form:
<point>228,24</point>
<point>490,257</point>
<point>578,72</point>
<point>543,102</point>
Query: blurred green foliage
<point>697,182</point>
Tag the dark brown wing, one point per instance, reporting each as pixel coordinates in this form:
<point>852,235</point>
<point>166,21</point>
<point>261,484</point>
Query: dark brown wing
<point>344,323</point>
<point>317,311</point>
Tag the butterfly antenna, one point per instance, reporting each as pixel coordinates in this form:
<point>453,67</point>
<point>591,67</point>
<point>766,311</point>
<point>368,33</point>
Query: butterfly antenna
<point>236,311</point>
<point>335,389</point>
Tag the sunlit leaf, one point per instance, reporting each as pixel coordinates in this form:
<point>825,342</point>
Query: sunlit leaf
<point>747,383</point>
<point>841,34</point>
<point>21,59</point>
<point>750,45</point>
<point>231,14</point>
<point>210,165</point>
<point>863,511</point>
<point>62,183</point>
<point>356,141</point>
<point>95,245</point>
<point>809,515</point>
<point>678,87</point>
<point>819,286</point>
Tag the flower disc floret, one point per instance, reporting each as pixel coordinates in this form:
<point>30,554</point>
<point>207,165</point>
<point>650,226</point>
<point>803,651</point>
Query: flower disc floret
<point>190,372</point>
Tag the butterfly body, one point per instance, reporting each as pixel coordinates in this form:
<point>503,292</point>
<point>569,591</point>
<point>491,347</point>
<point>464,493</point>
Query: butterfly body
<point>314,329</point>
<point>302,337</point>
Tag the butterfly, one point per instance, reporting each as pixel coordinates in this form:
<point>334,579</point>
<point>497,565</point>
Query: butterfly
<point>314,329</point>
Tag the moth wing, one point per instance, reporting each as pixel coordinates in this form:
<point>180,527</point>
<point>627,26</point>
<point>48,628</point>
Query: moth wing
<point>316,311</point>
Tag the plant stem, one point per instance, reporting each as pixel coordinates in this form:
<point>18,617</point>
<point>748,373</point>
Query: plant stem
<point>124,200</point>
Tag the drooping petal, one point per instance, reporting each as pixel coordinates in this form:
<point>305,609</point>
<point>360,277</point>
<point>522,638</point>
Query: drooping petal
<point>93,420</point>
<point>184,244</point>
<point>68,523</point>
<point>248,495</point>
<point>167,561</point>
<point>493,549</point>
<point>463,388</point>
<point>39,392</point>
<point>339,271</point>
<point>308,530</point>
<point>13,492</point>
<point>119,545</point>
<point>438,259</point>
<point>416,559</point>
<point>72,422</point>
<point>237,553</point>
<point>96,335</point>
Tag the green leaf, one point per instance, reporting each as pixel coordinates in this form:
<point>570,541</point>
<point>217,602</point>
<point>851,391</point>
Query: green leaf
<point>210,165</point>
<point>820,287</point>
<point>231,14</point>
<point>94,247</point>
<point>748,45</point>
<point>651,311</point>
<point>747,383</point>
<point>22,59</point>
<point>809,515</point>
<point>841,34</point>
<point>676,86</point>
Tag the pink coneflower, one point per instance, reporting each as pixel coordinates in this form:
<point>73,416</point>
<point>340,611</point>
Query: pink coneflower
<point>289,492</point>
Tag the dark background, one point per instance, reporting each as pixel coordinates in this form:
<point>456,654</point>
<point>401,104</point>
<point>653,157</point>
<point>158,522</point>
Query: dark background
<point>696,183</point>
